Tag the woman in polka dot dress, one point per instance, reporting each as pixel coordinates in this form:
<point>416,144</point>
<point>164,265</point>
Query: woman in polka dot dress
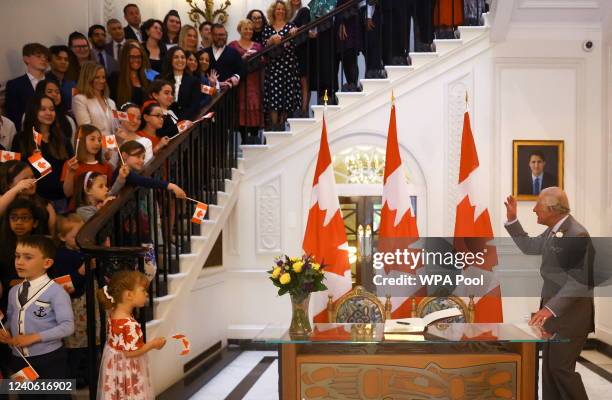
<point>282,82</point>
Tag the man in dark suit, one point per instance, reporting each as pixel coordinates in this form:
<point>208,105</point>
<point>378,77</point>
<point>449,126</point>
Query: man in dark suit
<point>97,38</point>
<point>60,63</point>
<point>131,13</point>
<point>20,90</point>
<point>566,306</point>
<point>539,179</point>
<point>117,34</point>
<point>225,60</point>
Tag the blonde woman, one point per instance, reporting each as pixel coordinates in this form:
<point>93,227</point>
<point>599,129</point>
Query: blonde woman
<point>281,84</point>
<point>188,38</point>
<point>130,83</point>
<point>249,95</point>
<point>93,105</point>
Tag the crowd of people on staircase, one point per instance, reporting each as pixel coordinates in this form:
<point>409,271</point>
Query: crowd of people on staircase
<point>90,113</point>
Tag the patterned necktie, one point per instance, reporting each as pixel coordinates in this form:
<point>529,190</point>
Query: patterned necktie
<point>23,295</point>
<point>118,51</point>
<point>536,185</point>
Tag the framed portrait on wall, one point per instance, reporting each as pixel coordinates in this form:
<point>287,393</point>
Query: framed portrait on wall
<point>536,165</point>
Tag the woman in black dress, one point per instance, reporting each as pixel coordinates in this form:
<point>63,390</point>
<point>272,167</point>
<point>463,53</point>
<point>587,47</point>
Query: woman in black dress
<point>152,33</point>
<point>281,83</point>
<point>300,16</point>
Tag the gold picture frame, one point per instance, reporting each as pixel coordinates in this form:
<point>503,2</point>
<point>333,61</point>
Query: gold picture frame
<point>543,156</point>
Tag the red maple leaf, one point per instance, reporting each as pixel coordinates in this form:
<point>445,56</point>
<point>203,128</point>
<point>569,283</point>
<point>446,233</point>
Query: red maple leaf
<point>42,164</point>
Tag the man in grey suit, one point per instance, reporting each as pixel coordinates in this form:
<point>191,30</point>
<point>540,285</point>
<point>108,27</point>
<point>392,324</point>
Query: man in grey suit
<point>566,306</point>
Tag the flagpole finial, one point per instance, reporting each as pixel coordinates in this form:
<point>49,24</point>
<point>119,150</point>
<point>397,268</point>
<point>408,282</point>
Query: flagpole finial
<point>392,98</point>
<point>325,98</point>
<point>466,99</point>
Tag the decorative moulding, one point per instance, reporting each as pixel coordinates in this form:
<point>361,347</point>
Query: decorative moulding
<point>268,208</point>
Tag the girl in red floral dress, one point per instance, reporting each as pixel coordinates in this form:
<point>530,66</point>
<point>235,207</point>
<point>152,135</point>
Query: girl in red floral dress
<point>124,369</point>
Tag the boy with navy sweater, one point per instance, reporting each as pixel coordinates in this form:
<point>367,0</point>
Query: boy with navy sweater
<point>39,313</point>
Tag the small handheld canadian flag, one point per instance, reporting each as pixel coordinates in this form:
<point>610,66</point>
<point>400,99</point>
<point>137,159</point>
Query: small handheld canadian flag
<point>185,343</point>
<point>26,374</point>
<point>209,90</point>
<point>8,156</point>
<point>182,126</point>
<point>38,161</point>
<point>123,116</point>
<point>200,213</point>
<point>109,142</point>
<point>37,137</point>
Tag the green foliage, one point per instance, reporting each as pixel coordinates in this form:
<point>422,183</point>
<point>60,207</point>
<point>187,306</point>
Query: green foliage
<point>297,276</point>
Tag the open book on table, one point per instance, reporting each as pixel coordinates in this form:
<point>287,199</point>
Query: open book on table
<point>418,325</point>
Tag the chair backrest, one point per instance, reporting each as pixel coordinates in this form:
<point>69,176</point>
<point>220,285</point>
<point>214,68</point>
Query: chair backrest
<point>358,306</point>
<point>430,304</point>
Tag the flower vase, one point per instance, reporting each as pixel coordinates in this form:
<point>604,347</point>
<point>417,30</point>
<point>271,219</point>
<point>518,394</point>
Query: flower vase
<point>300,321</point>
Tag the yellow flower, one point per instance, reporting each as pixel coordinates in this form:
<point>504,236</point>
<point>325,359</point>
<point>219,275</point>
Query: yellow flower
<point>295,259</point>
<point>285,278</point>
<point>297,267</point>
<point>316,266</point>
<point>276,272</point>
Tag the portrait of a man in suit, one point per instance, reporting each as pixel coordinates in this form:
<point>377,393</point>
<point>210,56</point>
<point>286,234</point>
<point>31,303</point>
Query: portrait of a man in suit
<point>537,166</point>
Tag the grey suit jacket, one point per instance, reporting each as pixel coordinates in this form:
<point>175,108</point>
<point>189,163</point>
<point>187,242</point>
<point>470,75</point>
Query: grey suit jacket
<point>567,270</point>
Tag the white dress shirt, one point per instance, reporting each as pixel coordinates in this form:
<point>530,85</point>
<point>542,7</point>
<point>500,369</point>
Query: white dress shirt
<point>136,32</point>
<point>177,86</point>
<point>34,80</point>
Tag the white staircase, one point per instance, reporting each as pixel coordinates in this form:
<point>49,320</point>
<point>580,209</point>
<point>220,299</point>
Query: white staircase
<point>402,79</point>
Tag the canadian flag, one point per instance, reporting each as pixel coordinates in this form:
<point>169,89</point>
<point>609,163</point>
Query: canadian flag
<point>37,137</point>
<point>26,374</point>
<point>209,90</point>
<point>199,213</point>
<point>182,126</point>
<point>9,155</point>
<point>109,142</point>
<point>185,343</point>
<point>38,161</point>
<point>325,237</point>
<point>123,116</point>
<point>473,230</point>
<point>398,224</point>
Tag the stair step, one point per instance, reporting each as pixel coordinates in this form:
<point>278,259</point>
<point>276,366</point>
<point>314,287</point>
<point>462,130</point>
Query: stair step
<point>236,173</point>
<point>420,59</point>
<point>250,151</point>
<point>298,124</point>
<point>398,71</point>
<point>274,138</point>
<point>443,46</point>
<point>206,226</point>
<point>468,33</point>
<point>214,211</point>
<point>241,163</point>
<point>222,198</point>
<point>160,305</point>
<point>185,261</point>
<point>373,85</point>
<point>348,98</point>
<point>174,281</point>
<point>319,110</point>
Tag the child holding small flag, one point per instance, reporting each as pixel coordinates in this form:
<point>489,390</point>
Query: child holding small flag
<point>88,158</point>
<point>124,369</point>
<point>152,121</point>
<point>91,194</point>
<point>17,181</point>
<point>129,130</point>
<point>39,314</point>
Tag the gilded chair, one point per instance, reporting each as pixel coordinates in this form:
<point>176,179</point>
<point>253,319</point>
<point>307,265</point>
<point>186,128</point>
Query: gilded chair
<point>430,304</point>
<point>358,306</point>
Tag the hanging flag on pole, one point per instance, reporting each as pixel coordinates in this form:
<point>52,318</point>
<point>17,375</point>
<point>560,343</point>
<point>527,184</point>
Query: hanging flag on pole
<point>472,220</point>
<point>8,156</point>
<point>398,225</point>
<point>325,236</point>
